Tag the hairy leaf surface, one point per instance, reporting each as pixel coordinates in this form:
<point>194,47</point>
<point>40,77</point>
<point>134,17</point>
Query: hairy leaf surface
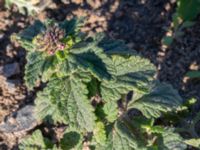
<point>35,142</point>
<point>26,37</point>
<point>72,26</point>
<point>122,138</point>
<point>162,98</point>
<point>34,68</point>
<point>69,97</point>
<point>132,73</point>
<point>193,142</point>
<point>91,58</point>
<point>171,140</point>
<point>48,109</point>
<point>112,46</point>
<point>111,110</point>
<point>100,133</point>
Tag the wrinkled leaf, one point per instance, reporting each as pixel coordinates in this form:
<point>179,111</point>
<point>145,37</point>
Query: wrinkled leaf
<point>71,102</point>
<point>111,111</point>
<point>35,142</point>
<point>193,142</point>
<point>100,133</point>
<point>122,138</point>
<point>132,73</point>
<point>171,141</point>
<point>33,68</point>
<point>162,98</point>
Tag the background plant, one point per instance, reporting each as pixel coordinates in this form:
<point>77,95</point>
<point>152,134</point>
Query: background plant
<point>186,12</point>
<point>103,92</point>
<point>29,6</point>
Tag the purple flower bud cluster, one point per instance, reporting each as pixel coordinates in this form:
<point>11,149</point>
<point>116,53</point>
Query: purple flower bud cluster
<point>50,40</point>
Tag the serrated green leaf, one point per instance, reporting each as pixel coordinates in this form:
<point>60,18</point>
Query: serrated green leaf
<point>33,68</point>
<point>171,141</point>
<point>48,68</point>
<point>26,37</point>
<point>157,129</point>
<point>122,138</point>
<point>35,142</point>
<point>72,26</point>
<point>100,133</point>
<point>162,98</point>
<point>38,67</point>
<point>111,111</point>
<point>132,73</point>
<point>193,142</point>
<point>92,59</point>
<point>47,109</point>
<point>69,97</point>
<point>112,46</point>
<point>66,68</point>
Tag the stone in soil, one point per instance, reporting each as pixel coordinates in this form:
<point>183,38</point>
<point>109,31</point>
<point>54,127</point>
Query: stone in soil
<point>9,70</point>
<point>20,121</point>
<point>15,126</point>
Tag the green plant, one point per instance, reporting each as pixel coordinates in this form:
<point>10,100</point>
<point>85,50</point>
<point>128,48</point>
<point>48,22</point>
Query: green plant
<point>186,12</point>
<point>31,6</point>
<point>89,81</point>
<point>193,74</point>
<point>186,119</point>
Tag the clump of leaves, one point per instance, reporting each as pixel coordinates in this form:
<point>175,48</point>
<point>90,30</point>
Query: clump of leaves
<point>96,86</point>
<point>187,120</point>
<point>186,12</point>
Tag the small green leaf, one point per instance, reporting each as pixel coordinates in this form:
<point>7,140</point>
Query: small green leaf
<point>26,37</point>
<point>72,26</point>
<point>193,74</point>
<point>193,142</point>
<point>71,140</point>
<point>100,133</point>
<point>47,109</point>
<point>167,40</point>
<point>61,55</point>
<point>69,41</point>
<point>34,68</point>
<point>111,110</point>
<point>35,142</point>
